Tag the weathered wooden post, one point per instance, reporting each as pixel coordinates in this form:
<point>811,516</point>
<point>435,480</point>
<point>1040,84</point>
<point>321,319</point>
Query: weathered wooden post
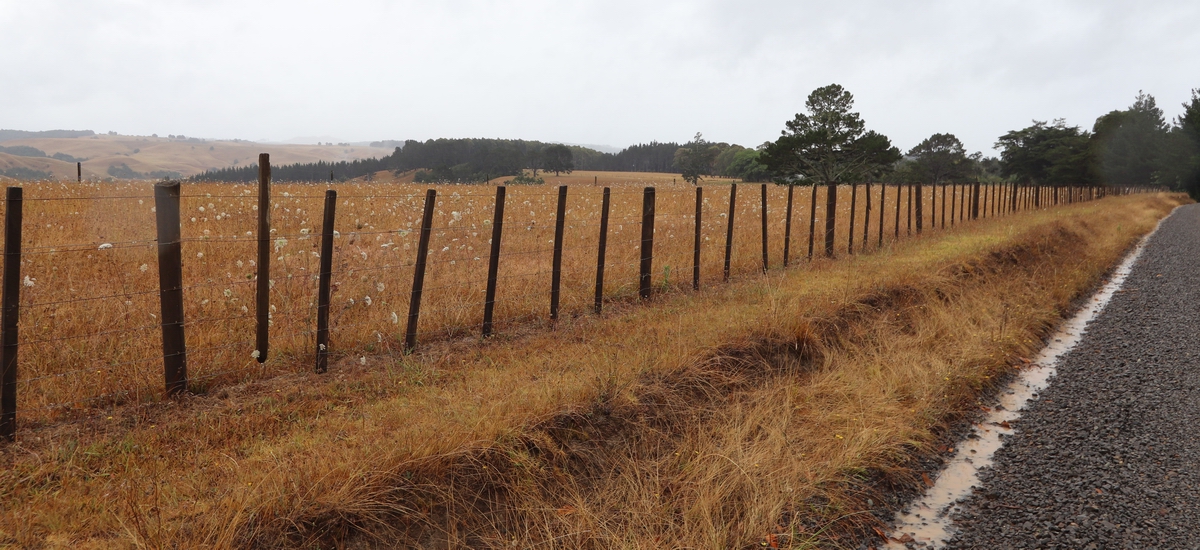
<point>853,207</point>
<point>647,263</point>
<point>765,264</point>
<point>11,313</point>
<point>602,249</point>
<point>787,226</point>
<point>812,220</point>
<point>489,300</point>
<point>556,266</point>
<point>418,286</point>
<point>262,288</point>
<point>170,285</point>
<point>696,248</point>
<point>729,229</point>
<point>324,281</point>
<point>830,217</point>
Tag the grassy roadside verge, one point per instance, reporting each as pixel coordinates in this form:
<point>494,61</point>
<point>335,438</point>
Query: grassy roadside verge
<point>762,411</point>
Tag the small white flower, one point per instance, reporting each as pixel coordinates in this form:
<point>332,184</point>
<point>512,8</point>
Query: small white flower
<point>228,293</point>
<point>304,231</point>
<point>143,268</point>
<point>364,255</point>
<point>367,300</point>
<point>456,215</point>
<point>193,220</point>
<point>239,263</point>
<point>395,318</point>
<point>255,354</point>
<point>280,243</point>
<point>446,249</point>
<point>201,208</point>
<point>379,287</point>
<point>104,246</point>
<point>321,347</point>
<point>244,310</point>
<point>199,254</point>
<point>362,360</point>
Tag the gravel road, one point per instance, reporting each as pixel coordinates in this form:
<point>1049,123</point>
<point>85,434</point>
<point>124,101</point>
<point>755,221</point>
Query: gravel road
<point>1108,456</point>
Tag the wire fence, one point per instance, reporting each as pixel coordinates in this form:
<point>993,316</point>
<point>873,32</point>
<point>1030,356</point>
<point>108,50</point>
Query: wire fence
<point>126,296</point>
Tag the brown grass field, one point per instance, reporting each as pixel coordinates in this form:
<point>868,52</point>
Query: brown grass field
<point>755,411</point>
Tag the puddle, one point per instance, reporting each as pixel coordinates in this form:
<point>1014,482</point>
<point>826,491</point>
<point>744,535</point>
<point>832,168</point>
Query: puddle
<point>927,522</point>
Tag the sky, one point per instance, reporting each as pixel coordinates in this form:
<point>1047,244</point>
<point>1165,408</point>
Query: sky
<point>610,72</point>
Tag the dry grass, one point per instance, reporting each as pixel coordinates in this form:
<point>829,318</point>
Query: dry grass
<point>89,334</point>
<point>714,419</point>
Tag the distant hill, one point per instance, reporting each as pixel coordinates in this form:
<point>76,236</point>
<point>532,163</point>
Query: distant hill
<point>150,157</point>
<point>7,135</point>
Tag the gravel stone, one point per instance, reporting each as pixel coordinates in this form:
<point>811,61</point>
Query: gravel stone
<point>1109,455</point>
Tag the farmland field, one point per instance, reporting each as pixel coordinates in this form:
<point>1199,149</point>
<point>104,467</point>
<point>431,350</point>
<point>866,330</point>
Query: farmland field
<point>89,334</point>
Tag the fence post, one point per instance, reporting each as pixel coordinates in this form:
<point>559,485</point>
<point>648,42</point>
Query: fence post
<point>262,292</point>
<point>602,249</point>
<point>324,280</point>
<point>975,202</point>
<point>79,172</point>
<point>696,251</point>
<point>729,229</point>
<point>882,211</point>
<point>899,199</point>
<point>787,226</point>
<point>647,242</point>
<point>830,217</point>
<point>812,220</point>
<point>10,317</point>
<point>867,219</point>
<point>920,207</point>
<point>170,285</point>
<point>764,227</point>
<point>853,205</point>
<point>414,304</point>
<point>489,301</point>
<point>909,207</point>
<point>556,267</point>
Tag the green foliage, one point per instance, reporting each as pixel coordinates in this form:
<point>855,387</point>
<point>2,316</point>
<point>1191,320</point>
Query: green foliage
<point>745,166</point>
<point>525,179</point>
<point>1047,154</point>
<point>829,144</point>
<point>940,158</point>
<point>23,151</point>
<point>123,171</point>
<point>695,159</point>
<point>557,158</point>
<point>22,173</point>
<point>1127,144</point>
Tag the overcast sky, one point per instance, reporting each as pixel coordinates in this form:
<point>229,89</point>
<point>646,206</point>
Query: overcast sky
<point>607,72</point>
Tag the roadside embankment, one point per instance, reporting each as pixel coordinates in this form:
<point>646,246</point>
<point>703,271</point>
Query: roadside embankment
<point>786,410</point>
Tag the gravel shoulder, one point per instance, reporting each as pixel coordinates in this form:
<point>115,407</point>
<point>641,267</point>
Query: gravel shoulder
<point>1108,455</point>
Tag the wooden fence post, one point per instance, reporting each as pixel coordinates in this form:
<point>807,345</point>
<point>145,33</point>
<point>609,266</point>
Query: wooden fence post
<point>899,199</point>
<point>830,217</point>
<point>764,227</point>
<point>262,289</point>
<point>696,250</point>
<point>324,280</point>
<point>729,229</point>
<point>920,207</point>
<point>975,202</point>
<point>79,172</point>
<point>787,226</point>
<point>556,267</point>
<point>489,300</point>
<point>602,248</point>
<point>853,207</point>
<point>11,313</point>
<point>812,220</point>
<point>418,286</point>
<point>867,219</point>
<point>647,248</point>
<point>882,210</point>
<point>909,206</point>
<point>170,285</point>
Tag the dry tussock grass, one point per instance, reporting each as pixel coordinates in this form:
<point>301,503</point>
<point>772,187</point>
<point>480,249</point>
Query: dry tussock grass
<point>768,410</point>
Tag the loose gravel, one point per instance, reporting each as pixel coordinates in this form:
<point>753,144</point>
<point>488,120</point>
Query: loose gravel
<point>1108,456</point>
